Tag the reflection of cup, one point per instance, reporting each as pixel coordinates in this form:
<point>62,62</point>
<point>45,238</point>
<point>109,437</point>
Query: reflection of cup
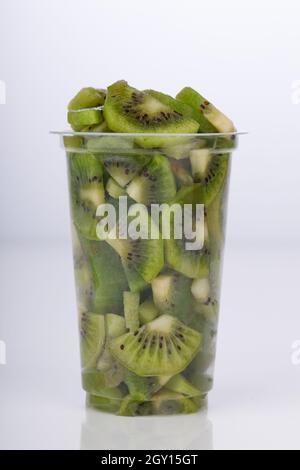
<point>101,431</point>
<point>149,215</point>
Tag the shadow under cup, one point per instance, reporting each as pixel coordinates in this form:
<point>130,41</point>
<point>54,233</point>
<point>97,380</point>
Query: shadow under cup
<point>148,295</point>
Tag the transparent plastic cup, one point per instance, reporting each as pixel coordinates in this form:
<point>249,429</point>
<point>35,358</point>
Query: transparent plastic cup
<point>148,221</point>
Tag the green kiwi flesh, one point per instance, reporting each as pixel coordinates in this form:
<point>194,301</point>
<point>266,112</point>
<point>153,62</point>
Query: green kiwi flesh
<point>108,280</point>
<point>204,191</point>
<point>172,295</point>
<point>87,98</point>
<point>131,310</point>
<point>146,256</point>
<point>211,114</point>
<point>148,311</point>
<point>87,117</point>
<point>92,336</point>
<point>129,110</point>
<point>87,192</point>
<point>164,346</point>
<point>155,184</point>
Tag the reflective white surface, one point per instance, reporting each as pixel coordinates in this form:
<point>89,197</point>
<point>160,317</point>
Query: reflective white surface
<point>256,400</point>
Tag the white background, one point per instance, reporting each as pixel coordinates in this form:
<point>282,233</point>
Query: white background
<point>244,56</point>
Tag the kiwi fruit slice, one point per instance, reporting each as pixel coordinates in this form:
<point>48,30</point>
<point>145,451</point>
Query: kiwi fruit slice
<point>132,111</point>
<point>209,309</point>
<point>87,192</point>
<point>143,388</point>
<point>148,311</point>
<point>206,190</point>
<point>182,176</point>
<point>109,403</point>
<point>114,189</point>
<point>107,276</point>
<point>118,157</point>
<point>166,402</point>
<point>132,407</point>
<point>156,184</point>
<point>203,382</point>
<point>180,384</point>
<point>92,338</point>
<point>211,114</point>
<point>131,310</point>
<point>193,264</point>
<point>73,142</point>
<point>86,117</point>
<point>164,346</point>
<point>109,372</point>
<point>144,256</point>
<point>88,97</point>
<point>201,290</point>
<point>172,295</point>
<point>135,281</point>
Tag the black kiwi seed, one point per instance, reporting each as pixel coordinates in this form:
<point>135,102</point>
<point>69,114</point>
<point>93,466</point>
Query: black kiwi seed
<point>122,347</point>
<point>136,333</point>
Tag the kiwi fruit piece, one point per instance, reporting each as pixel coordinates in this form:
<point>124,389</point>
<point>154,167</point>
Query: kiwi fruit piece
<point>174,104</point>
<point>135,281</point>
<point>144,256</point>
<point>73,142</point>
<point>132,111</point>
<point>132,407</point>
<point>180,384</point>
<point>172,295</point>
<point>88,97</point>
<point>107,275</point>
<point>92,338</point>
<point>201,290</point>
<point>85,117</point>
<point>99,128</point>
<point>203,382</point>
<point>200,161</point>
<point>207,189</point>
<point>164,346</point>
<point>211,114</point>
<point>209,309</point>
<point>118,157</point>
<point>216,224</point>
<point>97,382</point>
<point>166,402</point>
<point>131,310</point>
<point>109,371</point>
<point>109,404</point>
<point>182,176</point>
<point>143,388</point>
<point>87,192</point>
<point>181,149</point>
<point>193,264</point>
<point>148,311</point>
<point>156,183</point>
<point>83,283</point>
<point>114,189</point>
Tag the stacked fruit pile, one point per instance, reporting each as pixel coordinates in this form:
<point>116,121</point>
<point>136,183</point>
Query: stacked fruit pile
<point>148,307</point>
